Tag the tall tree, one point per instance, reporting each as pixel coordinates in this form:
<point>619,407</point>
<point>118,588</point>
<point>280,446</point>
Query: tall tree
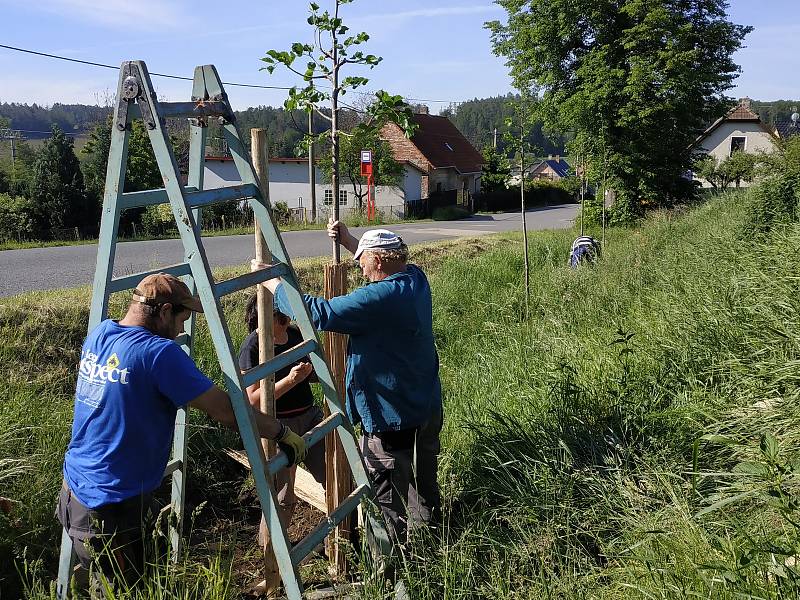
<point>57,187</point>
<point>635,80</point>
<point>385,169</point>
<point>332,50</point>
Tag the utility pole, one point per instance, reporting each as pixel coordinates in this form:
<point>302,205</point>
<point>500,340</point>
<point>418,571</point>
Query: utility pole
<point>12,135</point>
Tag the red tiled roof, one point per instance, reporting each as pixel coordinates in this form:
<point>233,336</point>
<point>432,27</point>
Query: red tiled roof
<point>444,145</point>
<point>741,112</point>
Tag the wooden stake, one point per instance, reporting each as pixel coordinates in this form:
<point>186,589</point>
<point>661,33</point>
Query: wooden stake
<point>338,480</point>
<point>266,345</point>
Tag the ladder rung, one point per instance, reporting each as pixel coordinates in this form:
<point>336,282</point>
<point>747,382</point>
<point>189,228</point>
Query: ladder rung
<point>247,280</point>
<point>320,532</point>
<point>312,438</point>
<point>131,281</point>
<point>207,108</point>
<point>172,466</point>
<point>194,197</point>
<point>224,194</point>
<point>147,198</point>
<point>284,359</point>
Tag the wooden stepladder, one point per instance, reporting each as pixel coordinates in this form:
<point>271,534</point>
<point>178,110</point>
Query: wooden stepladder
<point>136,99</point>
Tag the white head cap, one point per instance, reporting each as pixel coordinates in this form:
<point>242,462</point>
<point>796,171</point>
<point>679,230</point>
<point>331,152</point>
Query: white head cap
<point>378,239</point>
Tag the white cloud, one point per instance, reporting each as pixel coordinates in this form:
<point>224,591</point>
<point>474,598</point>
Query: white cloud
<point>130,14</point>
<point>444,11</point>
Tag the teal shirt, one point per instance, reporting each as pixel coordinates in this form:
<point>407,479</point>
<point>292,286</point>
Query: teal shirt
<point>392,366</point>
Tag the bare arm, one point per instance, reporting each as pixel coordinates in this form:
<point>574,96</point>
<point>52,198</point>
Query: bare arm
<point>298,373</point>
<point>217,404</point>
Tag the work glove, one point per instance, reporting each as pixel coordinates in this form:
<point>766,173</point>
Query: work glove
<point>292,444</point>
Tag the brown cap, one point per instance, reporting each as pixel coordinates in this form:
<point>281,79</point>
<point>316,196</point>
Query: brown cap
<point>161,288</point>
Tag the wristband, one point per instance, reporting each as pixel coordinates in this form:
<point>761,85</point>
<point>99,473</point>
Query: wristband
<point>282,433</point>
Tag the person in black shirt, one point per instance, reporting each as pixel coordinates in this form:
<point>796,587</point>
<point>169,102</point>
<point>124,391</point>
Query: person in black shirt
<point>294,401</point>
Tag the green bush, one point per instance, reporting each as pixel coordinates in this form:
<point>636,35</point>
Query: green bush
<point>449,213</point>
<point>777,197</point>
<point>16,218</point>
<point>281,212</point>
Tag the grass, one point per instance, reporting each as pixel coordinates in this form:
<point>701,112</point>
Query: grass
<point>633,436</point>
<point>207,232</point>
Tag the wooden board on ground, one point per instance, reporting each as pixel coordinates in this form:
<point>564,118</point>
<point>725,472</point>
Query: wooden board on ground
<point>305,486</point>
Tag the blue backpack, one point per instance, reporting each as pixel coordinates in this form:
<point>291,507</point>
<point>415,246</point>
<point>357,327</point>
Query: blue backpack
<point>585,251</point>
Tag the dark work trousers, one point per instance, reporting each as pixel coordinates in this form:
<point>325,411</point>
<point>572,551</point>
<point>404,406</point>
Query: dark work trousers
<point>111,535</point>
<point>402,466</point>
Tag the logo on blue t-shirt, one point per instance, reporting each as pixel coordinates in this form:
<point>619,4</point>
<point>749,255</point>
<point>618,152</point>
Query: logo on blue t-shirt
<point>94,376</point>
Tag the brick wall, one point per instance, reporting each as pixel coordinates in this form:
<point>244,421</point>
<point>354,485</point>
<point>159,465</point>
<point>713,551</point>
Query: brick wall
<point>404,149</point>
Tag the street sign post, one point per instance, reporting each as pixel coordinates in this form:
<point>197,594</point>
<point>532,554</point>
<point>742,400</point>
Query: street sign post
<point>366,171</point>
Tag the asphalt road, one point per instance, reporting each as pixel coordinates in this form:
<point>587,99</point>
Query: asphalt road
<point>71,266</point>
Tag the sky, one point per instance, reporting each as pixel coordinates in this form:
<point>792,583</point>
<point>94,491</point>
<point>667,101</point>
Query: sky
<point>436,52</point>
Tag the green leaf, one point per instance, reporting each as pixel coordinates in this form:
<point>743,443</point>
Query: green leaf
<point>752,468</point>
<point>725,502</point>
<point>769,446</point>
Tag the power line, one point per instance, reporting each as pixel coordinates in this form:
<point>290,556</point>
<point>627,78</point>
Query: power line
<point>246,85</point>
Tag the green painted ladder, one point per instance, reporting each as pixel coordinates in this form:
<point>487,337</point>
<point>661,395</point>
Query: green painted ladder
<point>136,99</point>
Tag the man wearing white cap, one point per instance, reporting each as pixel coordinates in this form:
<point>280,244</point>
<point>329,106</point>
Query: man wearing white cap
<point>392,380</point>
<point>132,379</point>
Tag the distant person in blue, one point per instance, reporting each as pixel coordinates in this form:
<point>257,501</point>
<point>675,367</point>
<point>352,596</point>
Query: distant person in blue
<point>392,380</point>
<point>132,379</point>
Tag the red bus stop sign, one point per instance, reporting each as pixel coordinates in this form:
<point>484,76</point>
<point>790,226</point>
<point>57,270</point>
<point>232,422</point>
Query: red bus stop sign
<point>366,163</point>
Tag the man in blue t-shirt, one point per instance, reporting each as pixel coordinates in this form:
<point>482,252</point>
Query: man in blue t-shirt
<point>132,379</point>
<point>392,380</point>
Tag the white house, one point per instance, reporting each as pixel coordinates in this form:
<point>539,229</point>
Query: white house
<point>740,130</point>
<point>288,182</point>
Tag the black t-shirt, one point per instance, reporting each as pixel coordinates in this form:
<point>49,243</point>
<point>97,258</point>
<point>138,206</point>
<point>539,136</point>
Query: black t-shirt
<point>296,400</point>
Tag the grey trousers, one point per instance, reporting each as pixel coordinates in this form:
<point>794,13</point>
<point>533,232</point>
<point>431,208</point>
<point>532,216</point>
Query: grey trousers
<point>402,466</point>
<point>314,461</point>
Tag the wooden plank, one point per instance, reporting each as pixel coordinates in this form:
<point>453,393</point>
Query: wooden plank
<point>305,486</point>
<point>266,350</point>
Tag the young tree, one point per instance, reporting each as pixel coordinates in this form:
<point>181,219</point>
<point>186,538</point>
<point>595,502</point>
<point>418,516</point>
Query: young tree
<point>634,80</point>
<point>385,169</point>
<point>495,170</point>
<point>57,187</point>
<point>738,167</point>
<point>331,50</point>
<point>518,126</point>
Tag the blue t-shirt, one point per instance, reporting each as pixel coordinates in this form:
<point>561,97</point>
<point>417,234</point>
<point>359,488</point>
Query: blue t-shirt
<point>131,383</point>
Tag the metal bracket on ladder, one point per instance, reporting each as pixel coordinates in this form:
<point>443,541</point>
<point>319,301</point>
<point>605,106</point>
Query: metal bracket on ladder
<point>137,99</point>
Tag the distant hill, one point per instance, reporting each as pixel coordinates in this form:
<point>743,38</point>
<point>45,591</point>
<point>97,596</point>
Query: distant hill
<point>476,119</point>
<point>36,120</point>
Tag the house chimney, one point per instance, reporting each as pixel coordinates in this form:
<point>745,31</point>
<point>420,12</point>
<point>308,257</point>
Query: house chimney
<point>422,109</point>
<point>558,158</point>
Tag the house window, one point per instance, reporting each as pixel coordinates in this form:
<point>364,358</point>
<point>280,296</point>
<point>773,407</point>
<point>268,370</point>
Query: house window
<point>329,197</point>
<point>737,144</point>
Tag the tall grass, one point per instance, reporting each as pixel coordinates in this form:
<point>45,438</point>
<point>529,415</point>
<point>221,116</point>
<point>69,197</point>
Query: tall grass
<point>633,436</point>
